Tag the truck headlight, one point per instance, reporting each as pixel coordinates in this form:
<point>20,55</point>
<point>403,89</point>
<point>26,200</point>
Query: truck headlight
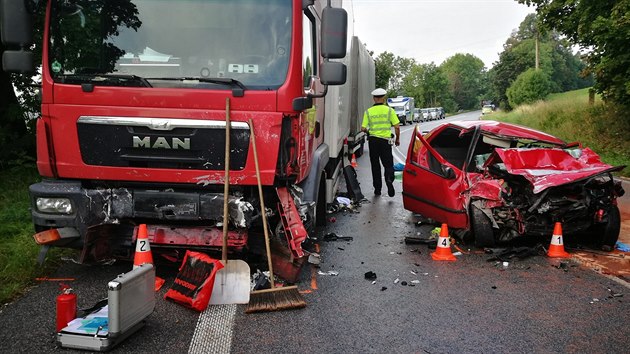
<point>54,205</point>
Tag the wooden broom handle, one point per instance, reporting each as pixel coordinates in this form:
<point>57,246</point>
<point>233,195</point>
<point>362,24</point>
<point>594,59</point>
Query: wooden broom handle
<point>226,181</point>
<point>262,204</point>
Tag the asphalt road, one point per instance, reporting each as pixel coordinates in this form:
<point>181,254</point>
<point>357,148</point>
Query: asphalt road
<point>472,305</point>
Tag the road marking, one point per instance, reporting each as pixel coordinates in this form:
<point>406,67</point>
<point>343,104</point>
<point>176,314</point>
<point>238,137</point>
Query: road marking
<point>213,333</point>
<point>399,156</point>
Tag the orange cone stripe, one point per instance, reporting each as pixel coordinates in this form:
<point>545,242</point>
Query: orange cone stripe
<point>443,249</point>
<point>143,248</point>
<point>556,247</point>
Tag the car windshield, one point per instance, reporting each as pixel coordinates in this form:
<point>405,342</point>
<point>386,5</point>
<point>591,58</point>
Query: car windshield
<point>184,43</point>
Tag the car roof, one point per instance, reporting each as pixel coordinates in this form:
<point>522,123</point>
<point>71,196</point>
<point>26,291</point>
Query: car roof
<point>508,130</point>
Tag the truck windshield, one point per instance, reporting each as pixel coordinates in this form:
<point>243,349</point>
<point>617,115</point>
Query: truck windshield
<point>164,43</point>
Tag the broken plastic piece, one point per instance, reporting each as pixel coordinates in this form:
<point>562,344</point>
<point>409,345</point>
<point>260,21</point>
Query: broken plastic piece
<point>370,275</point>
<point>314,258</point>
<point>330,272</point>
<point>331,236</point>
<point>344,201</point>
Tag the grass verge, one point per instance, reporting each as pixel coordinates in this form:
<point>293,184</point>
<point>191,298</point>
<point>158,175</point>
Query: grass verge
<point>18,250</point>
<point>603,128</point>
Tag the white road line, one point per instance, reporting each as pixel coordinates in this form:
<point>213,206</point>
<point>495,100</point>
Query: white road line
<point>214,330</point>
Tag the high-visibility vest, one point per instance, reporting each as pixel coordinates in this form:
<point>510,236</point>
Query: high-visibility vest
<point>379,119</point>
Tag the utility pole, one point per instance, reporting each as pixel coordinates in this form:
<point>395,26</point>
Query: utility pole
<point>537,55</point>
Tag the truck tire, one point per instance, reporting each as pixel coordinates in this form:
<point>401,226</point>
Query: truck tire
<point>320,206</point>
<point>481,228</point>
<point>359,151</point>
<point>608,233</point>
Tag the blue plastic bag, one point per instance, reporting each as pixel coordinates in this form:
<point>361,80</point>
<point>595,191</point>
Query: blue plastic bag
<point>622,246</point>
<point>399,166</point>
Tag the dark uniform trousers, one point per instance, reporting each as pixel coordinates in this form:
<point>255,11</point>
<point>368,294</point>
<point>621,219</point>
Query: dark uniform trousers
<point>381,152</point>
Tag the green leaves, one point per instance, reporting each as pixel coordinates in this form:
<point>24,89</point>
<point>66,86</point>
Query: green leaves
<point>529,87</point>
<point>603,28</point>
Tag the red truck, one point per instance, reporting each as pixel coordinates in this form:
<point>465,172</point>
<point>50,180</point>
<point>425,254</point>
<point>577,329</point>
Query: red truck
<point>133,118</point>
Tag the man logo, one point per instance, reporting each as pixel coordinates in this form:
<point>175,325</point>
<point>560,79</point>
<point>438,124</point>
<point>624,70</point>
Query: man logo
<point>161,143</point>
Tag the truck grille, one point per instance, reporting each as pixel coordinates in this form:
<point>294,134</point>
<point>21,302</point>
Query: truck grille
<point>161,143</point>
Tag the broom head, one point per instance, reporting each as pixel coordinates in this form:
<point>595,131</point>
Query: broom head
<point>275,299</point>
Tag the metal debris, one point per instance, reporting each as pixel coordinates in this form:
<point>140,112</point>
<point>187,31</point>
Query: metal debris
<point>331,236</point>
<point>314,258</point>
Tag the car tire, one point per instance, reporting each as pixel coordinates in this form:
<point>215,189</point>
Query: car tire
<point>608,233</point>
<point>481,228</point>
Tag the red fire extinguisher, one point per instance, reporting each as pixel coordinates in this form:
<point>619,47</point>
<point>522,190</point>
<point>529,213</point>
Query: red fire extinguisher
<point>66,306</point>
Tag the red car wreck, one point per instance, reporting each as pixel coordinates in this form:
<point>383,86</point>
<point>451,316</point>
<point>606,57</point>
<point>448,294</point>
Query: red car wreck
<point>495,182</point>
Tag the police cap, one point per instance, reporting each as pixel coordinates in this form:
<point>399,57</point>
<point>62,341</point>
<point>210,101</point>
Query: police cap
<point>379,92</point>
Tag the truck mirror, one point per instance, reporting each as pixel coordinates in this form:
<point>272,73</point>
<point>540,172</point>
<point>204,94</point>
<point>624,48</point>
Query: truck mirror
<point>334,32</point>
<point>302,103</point>
<point>18,61</point>
<point>333,73</point>
<point>307,3</point>
<point>16,28</point>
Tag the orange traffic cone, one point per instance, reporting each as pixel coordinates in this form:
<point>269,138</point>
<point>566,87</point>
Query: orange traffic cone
<point>443,249</point>
<point>353,162</point>
<point>556,248</point>
<point>143,248</point>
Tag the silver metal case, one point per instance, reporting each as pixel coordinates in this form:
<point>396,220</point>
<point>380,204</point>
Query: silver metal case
<point>130,299</point>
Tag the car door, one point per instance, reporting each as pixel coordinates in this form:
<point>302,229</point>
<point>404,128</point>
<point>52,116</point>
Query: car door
<point>432,186</point>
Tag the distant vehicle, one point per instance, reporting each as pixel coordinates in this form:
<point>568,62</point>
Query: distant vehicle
<point>425,114</point>
<point>441,112</point>
<point>487,109</point>
<point>417,115</point>
<point>404,107</point>
<point>433,112</point>
<point>499,182</point>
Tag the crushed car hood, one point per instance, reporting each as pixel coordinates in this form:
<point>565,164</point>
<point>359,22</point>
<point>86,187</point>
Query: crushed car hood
<point>508,130</point>
<point>549,167</point>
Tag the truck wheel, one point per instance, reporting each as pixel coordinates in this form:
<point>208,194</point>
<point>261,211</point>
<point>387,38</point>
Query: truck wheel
<point>320,207</point>
<point>359,151</point>
<point>607,233</point>
<point>481,228</point>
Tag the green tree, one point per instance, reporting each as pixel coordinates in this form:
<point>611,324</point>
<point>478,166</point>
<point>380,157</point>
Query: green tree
<point>18,112</point>
<point>519,54</point>
<point>529,87</point>
<point>466,76</point>
<point>603,28</point>
<point>436,92</point>
<point>402,68</point>
<point>413,84</point>
<point>384,67</point>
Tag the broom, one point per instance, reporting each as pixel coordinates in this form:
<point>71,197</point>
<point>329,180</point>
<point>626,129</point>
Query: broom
<point>274,299</point>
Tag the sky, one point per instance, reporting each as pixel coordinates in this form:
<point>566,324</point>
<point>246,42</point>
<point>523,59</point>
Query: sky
<point>434,30</point>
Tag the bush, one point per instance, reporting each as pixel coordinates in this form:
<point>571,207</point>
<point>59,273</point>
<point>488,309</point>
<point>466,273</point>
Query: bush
<point>529,87</point>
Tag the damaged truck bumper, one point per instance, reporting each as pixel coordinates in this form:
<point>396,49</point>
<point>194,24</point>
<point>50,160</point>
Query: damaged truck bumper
<point>100,215</point>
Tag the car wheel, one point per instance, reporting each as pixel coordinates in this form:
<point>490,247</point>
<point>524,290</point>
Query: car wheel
<point>608,233</point>
<point>481,228</point>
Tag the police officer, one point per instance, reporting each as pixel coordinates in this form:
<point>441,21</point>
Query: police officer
<point>378,121</point>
